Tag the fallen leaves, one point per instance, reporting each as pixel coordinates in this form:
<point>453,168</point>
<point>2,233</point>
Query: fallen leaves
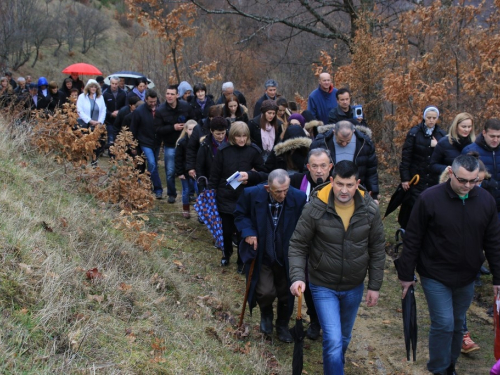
<point>47,227</point>
<point>93,274</point>
<point>97,298</point>
<point>124,287</point>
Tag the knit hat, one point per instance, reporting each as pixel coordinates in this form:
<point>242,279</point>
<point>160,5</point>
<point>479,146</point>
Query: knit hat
<point>299,118</point>
<point>308,116</point>
<point>431,108</point>
<point>268,105</point>
<point>91,82</point>
<point>294,131</point>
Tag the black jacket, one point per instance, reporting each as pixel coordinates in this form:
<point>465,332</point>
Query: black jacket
<point>118,123</point>
<point>230,159</point>
<point>165,119</point>
<point>113,104</point>
<point>446,235</point>
<point>143,126</point>
<point>204,161</point>
<point>180,157</point>
<point>55,100</point>
<point>365,157</point>
<point>445,152</point>
<point>254,126</point>
<point>239,95</point>
<point>197,112</point>
<point>417,152</point>
<point>201,130</point>
<point>337,114</point>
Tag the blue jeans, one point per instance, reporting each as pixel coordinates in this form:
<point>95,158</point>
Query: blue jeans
<point>152,159</point>
<point>447,309</point>
<point>169,158</point>
<point>336,313</point>
<point>188,185</point>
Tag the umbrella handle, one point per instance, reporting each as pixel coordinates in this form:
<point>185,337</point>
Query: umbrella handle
<point>206,179</point>
<point>249,281</point>
<point>299,307</point>
<point>414,180</point>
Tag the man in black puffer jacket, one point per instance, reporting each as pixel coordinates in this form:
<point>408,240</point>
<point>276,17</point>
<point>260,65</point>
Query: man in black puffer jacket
<point>348,142</point>
<point>169,122</point>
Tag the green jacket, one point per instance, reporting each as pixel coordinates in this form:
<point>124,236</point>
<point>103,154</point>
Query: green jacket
<point>338,259</point>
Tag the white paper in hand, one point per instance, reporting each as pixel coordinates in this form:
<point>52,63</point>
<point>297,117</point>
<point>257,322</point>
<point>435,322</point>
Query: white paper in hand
<point>233,180</point>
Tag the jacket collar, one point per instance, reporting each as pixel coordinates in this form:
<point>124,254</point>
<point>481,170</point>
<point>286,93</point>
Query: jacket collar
<point>453,195</point>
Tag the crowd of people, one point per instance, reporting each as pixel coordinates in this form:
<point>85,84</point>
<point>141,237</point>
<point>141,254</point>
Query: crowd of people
<point>304,212</point>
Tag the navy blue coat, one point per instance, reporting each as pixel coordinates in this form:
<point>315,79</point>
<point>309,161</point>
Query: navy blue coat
<point>445,152</point>
<point>491,160</point>
<point>251,209</point>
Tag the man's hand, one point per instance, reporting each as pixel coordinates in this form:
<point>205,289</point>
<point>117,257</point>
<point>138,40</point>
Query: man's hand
<point>252,240</point>
<point>405,285</point>
<point>179,126</point>
<point>496,291</point>
<point>114,113</point>
<point>371,298</point>
<point>182,177</point>
<point>294,289</point>
<point>405,185</point>
<point>243,178</point>
<point>192,173</point>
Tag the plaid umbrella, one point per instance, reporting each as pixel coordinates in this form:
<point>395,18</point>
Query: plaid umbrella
<point>496,324</point>
<point>206,208</point>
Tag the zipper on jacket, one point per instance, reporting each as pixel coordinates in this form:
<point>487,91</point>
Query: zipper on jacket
<point>359,151</point>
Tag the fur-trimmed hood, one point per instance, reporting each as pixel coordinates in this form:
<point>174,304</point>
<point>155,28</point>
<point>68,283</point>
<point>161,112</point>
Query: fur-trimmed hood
<point>313,124</point>
<point>292,144</point>
<point>363,129</point>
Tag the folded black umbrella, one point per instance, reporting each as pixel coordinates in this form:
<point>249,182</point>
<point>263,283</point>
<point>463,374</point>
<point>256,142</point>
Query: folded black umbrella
<point>410,322</point>
<point>298,334</point>
<point>399,196</point>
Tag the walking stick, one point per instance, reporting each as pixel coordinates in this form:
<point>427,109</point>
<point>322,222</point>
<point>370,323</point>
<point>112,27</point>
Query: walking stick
<point>250,273</point>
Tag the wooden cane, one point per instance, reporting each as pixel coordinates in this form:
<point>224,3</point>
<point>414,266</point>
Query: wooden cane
<point>250,273</point>
<point>299,307</point>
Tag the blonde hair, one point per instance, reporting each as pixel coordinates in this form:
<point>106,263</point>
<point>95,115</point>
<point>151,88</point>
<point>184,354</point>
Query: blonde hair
<point>453,131</point>
<point>238,128</point>
<point>91,83</point>
<point>184,130</point>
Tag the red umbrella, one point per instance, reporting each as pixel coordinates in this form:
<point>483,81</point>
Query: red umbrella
<point>82,69</point>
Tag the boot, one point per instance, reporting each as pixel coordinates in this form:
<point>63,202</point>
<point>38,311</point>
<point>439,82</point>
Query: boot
<point>451,370</point>
<point>284,334</point>
<point>312,332</point>
<point>266,320</point>
<point>185,211</point>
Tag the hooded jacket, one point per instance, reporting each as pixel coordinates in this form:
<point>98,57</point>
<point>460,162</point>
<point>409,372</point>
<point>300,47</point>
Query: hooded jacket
<point>320,103</point>
<point>291,153</point>
<point>446,235</point>
<point>338,259</point>
<point>491,160</point>
<point>417,152</point>
<point>365,157</point>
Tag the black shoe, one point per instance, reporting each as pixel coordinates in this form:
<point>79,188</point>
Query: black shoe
<point>200,220</point>
<point>283,332</point>
<point>224,262</point>
<point>478,282</point>
<point>159,195</point>
<point>192,198</point>
<point>266,324</point>
<point>451,370</point>
<point>312,332</point>
<point>484,271</point>
<point>171,199</point>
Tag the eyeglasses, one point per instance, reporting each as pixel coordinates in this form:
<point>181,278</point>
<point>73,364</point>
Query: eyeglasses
<point>463,181</point>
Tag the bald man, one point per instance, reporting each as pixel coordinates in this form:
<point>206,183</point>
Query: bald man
<point>322,100</point>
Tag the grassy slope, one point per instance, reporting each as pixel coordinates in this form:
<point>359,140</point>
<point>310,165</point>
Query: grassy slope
<point>169,311</point>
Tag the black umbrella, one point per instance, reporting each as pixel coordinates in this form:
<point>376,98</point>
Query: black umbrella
<point>410,322</point>
<point>399,196</point>
<point>247,290</point>
<point>298,334</point>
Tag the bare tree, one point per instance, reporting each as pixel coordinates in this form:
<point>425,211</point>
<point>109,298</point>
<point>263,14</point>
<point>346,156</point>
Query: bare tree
<point>92,25</point>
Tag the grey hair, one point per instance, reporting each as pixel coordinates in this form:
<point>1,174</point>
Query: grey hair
<point>343,125</point>
<point>21,79</point>
<point>114,77</point>
<point>227,85</point>
<point>279,175</point>
<point>318,152</point>
<point>468,162</point>
<point>270,83</point>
